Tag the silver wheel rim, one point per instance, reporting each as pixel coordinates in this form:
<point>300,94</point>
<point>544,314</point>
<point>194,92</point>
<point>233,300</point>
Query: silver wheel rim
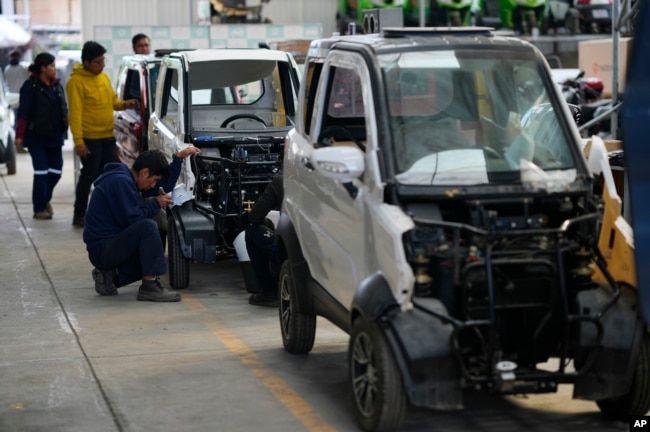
<point>285,306</point>
<point>364,374</point>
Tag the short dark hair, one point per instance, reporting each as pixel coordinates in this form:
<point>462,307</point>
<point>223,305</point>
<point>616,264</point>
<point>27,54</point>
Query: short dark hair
<point>135,39</point>
<point>91,50</point>
<point>154,160</point>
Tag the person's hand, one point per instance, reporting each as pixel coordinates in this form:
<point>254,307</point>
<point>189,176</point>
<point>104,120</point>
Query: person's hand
<point>82,151</point>
<point>188,151</point>
<point>163,200</point>
<point>19,144</point>
<point>131,104</point>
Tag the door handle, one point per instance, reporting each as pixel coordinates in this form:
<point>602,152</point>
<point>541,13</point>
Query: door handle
<point>155,131</point>
<point>307,163</point>
<point>119,117</point>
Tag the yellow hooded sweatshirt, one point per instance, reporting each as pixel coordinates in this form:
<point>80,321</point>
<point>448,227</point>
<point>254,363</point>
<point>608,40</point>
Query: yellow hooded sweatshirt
<point>91,101</point>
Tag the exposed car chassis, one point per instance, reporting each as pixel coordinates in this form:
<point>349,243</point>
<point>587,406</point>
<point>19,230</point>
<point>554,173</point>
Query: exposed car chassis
<point>230,176</point>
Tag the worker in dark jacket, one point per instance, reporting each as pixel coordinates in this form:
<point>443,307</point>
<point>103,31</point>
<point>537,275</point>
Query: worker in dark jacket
<point>41,127</point>
<point>260,244</point>
<point>121,236</point>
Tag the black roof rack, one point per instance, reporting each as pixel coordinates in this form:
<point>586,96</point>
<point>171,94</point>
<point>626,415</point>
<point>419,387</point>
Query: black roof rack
<point>397,32</point>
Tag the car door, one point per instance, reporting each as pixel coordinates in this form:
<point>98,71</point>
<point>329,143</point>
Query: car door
<point>166,125</point>
<point>128,124</point>
<point>330,220</point>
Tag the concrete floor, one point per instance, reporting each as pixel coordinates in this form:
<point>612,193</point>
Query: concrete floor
<point>71,360</point>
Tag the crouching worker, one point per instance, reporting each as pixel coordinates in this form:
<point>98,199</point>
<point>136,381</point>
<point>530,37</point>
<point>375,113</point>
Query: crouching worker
<point>260,245</point>
<point>121,236</point>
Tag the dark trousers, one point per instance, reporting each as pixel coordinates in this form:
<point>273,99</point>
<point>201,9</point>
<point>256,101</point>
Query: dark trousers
<point>260,245</point>
<point>47,163</point>
<point>135,252</point>
<point>102,151</point>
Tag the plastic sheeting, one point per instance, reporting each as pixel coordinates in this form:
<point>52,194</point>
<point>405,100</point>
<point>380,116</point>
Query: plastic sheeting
<point>12,34</point>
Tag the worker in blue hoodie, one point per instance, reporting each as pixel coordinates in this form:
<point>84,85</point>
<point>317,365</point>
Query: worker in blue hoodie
<point>121,236</point>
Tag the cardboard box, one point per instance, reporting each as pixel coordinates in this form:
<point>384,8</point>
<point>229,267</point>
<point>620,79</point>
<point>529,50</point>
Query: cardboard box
<point>596,58</point>
<point>297,47</point>
<point>610,146</point>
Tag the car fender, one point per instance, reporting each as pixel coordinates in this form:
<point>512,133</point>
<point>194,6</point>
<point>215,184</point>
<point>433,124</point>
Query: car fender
<point>288,247</point>
<point>419,341</point>
<point>196,232</point>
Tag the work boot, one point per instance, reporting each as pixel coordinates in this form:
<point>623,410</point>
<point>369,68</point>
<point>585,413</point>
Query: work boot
<point>104,282</point>
<point>44,215</point>
<point>264,299</point>
<point>153,290</point>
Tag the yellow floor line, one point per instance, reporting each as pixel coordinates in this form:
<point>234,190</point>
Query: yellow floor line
<point>276,385</point>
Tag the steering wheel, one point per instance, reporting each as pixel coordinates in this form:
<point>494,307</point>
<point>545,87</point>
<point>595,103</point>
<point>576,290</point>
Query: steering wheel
<point>340,131</point>
<point>491,153</point>
<point>242,116</point>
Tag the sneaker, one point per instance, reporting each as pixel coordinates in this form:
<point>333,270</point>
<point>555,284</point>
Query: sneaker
<point>104,284</point>
<point>42,215</point>
<point>153,290</point>
<point>78,222</point>
<point>263,299</point>
<point>49,209</point>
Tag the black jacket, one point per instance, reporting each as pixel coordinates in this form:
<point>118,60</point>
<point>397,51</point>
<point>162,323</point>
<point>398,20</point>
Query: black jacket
<point>271,199</point>
<point>43,110</point>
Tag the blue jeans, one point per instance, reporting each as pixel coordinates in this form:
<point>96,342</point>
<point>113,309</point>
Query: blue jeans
<point>135,252</point>
<point>102,151</point>
<point>47,163</point>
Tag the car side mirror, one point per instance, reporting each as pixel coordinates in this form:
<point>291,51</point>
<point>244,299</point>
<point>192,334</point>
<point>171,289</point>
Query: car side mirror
<point>13,99</point>
<point>339,163</point>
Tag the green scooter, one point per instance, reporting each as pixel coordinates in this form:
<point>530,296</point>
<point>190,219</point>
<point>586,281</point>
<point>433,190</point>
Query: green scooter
<point>453,12</point>
<point>524,16</point>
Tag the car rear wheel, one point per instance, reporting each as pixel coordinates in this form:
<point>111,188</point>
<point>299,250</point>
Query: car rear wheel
<point>179,266</point>
<point>636,402</point>
<point>380,402</point>
<point>298,328</point>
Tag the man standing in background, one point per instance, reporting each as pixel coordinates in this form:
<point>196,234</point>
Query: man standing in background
<point>141,44</point>
<point>16,74</point>
<point>91,101</point>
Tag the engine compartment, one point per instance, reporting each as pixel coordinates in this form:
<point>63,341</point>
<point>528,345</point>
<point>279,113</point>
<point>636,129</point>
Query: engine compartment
<point>229,180</point>
<point>509,272</point>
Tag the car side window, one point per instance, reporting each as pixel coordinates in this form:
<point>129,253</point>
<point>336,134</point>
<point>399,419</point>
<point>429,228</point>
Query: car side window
<point>343,122</point>
<point>169,109</point>
<point>132,89</point>
<point>311,84</point>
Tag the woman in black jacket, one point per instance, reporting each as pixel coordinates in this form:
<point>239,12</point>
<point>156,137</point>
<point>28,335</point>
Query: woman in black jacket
<point>41,127</point>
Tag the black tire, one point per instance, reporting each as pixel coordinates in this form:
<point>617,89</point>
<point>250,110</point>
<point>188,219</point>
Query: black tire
<point>179,266</point>
<point>11,157</point>
<point>298,328</point>
<point>380,402</point>
<point>636,402</point>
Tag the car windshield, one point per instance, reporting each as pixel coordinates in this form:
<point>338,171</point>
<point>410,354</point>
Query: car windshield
<point>472,117</point>
<point>241,88</point>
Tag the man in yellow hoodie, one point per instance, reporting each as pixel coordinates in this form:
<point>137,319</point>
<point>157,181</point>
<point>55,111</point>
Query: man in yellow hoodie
<point>91,101</point>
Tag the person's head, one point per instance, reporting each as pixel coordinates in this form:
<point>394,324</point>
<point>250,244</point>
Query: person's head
<point>149,167</point>
<point>92,57</point>
<point>14,57</point>
<point>44,66</point>
<point>141,44</point>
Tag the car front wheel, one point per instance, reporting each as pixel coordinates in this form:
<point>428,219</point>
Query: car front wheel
<point>179,266</point>
<point>380,402</point>
<point>636,402</point>
<point>298,328</point>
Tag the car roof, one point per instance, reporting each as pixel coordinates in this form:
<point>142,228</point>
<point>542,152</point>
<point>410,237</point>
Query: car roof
<point>212,54</point>
<point>396,38</point>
